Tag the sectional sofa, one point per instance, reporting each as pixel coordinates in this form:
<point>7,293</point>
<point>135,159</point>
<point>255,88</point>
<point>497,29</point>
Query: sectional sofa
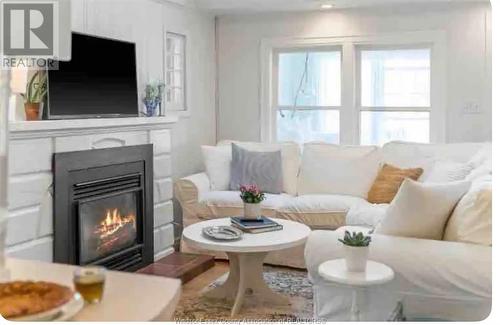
<point>308,197</point>
<point>445,279</point>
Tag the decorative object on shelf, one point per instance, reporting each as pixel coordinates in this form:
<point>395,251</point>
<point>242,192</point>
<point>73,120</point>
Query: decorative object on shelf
<point>36,89</point>
<point>153,98</point>
<point>222,233</point>
<point>356,248</point>
<point>252,196</point>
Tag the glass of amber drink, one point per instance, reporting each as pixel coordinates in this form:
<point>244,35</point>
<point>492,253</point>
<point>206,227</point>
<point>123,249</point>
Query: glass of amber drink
<point>89,282</point>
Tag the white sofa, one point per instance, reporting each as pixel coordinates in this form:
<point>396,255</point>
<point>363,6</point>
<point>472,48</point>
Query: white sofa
<point>310,204</point>
<point>439,280</point>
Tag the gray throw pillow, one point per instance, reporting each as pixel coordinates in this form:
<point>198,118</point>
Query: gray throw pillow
<point>254,167</point>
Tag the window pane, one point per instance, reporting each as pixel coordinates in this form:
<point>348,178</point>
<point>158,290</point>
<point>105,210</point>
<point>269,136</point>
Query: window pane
<point>309,79</point>
<point>395,78</point>
<point>175,73</point>
<point>381,127</point>
<point>306,126</point>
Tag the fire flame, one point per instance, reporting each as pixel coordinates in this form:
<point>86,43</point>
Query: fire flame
<point>114,222</point>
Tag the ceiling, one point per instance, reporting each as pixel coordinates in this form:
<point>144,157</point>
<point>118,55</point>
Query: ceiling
<point>242,6</point>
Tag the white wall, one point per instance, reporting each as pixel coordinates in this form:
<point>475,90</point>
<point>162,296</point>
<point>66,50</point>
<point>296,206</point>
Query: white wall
<point>468,31</point>
<point>143,21</point>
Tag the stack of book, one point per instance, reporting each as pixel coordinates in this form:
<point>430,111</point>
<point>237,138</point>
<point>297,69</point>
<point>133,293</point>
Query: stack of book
<point>255,226</point>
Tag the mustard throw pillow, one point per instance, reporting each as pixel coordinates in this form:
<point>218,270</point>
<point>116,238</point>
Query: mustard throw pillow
<point>388,181</point>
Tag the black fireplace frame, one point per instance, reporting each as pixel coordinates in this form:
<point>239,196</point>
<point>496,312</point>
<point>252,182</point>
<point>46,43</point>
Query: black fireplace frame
<point>70,170</point>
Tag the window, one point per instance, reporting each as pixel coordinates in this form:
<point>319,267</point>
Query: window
<point>395,78</point>
<point>381,127</point>
<point>308,95</point>
<point>395,95</point>
<point>175,71</point>
<point>365,90</point>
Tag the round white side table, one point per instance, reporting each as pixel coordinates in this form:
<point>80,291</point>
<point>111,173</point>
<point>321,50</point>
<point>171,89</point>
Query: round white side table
<point>375,274</point>
<point>246,259</point>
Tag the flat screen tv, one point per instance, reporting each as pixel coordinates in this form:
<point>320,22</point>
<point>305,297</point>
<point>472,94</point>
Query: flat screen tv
<point>100,80</point>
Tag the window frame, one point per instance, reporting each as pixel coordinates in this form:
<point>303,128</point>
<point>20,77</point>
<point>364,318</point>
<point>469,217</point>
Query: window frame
<point>275,83</point>
<point>172,106</point>
<point>350,112</point>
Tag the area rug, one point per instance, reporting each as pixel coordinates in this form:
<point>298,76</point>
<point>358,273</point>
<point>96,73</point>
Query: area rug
<point>290,282</point>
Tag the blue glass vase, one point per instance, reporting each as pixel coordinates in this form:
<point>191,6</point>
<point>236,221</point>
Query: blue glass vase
<point>151,107</point>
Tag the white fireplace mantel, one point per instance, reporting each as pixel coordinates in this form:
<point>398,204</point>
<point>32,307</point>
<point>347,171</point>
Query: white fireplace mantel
<point>64,128</point>
<point>31,149</point>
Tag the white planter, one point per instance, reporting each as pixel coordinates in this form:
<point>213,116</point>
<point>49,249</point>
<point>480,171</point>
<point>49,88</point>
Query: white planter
<point>355,258</point>
<point>252,210</point>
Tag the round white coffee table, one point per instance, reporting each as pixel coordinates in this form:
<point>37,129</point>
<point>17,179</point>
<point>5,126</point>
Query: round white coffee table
<point>375,274</point>
<point>246,258</point>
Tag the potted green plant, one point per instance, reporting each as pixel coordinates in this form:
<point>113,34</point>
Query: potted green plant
<point>356,248</point>
<point>153,98</point>
<point>252,196</point>
<point>36,89</point>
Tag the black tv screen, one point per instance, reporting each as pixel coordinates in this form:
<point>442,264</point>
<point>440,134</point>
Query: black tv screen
<point>99,81</point>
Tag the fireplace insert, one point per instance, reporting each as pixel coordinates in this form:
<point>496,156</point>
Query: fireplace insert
<point>107,225</point>
<point>103,207</point>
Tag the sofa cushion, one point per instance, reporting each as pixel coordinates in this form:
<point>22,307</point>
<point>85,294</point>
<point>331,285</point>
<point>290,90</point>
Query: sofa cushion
<point>411,155</point>
<point>421,210</point>
<point>365,214</point>
<point>290,159</point>
<point>406,154</point>
<point>333,169</point>
<point>470,222</point>
<point>482,163</point>
<point>218,166</point>
<point>263,169</point>
<point>444,171</point>
<point>217,204</point>
<point>388,181</point>
<point>318,211</point>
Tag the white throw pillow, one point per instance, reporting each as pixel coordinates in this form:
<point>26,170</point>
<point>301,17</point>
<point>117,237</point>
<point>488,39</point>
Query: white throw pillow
<point>470,222</point>
<point>333,169</point>
<point>482,164</point>
<point>421,210</point>
<point>482,155</point>
<point>217,166</point>
<point>290,159</point>
<point>445,171</point>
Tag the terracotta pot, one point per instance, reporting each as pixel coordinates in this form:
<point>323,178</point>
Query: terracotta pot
<point>252,210</point>
<point>356,258</point>
<point>32,111</point>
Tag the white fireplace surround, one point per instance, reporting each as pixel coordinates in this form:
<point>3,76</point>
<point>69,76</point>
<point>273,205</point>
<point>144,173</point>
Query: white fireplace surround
<point>32,145</point>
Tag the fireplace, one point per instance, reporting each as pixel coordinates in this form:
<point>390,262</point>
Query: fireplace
<point>106,225</point>
<point>103,205</point>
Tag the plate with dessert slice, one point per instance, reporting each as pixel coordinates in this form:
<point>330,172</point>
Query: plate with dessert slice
<point>38,301</point>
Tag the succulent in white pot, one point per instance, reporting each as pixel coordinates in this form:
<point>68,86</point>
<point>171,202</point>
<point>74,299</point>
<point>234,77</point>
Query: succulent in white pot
<point>356,249</point>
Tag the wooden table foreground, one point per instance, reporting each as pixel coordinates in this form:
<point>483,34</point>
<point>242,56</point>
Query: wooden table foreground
<point>127,296</point>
